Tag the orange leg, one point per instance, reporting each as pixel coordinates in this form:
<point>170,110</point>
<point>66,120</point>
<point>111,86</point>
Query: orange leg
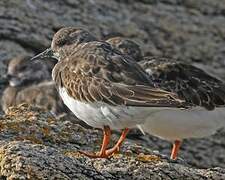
<point>176,147</point>
<point>105,143</point>
<point>116,148</point>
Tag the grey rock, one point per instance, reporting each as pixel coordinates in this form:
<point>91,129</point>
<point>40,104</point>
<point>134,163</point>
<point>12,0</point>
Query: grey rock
<point>34,145</point>
<point>189,30</point>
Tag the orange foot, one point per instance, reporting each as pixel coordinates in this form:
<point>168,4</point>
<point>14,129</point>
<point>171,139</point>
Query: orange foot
<point>105,143</point>
<point>104,153</point>
<point>116,148</point>
<point>176,147</point>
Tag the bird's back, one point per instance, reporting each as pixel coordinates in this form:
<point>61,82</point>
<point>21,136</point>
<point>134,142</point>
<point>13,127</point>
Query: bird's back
<point>189,82</point>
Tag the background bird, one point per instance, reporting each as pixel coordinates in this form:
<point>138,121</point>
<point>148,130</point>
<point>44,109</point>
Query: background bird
<point>204,93</point>
<point>31,83</point>
<point>102,86</point>
<point>127,47</point>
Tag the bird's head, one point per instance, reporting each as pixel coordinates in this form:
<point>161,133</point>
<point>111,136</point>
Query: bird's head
<point>21,72</point>
<point>127,47</point>
<point>64,41</point>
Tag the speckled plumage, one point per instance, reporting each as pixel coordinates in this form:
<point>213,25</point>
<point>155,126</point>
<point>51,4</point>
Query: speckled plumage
<point>102,86</point>
<point>189,82</point>
<point>115,81</point>
<point>127,47</point>
<point>204,93</point>
<point>93,72</point>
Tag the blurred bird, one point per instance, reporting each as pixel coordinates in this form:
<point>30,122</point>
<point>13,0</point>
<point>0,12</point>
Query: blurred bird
<point>205,95</point>
<point>30,83</point>
<point>127,47</point>
<point>102,86</point>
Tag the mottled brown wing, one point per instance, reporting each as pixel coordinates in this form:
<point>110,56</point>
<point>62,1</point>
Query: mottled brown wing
<point>189,82</point>
<point>98,90</point>
<point>100,59</point>
<point>107,76</point>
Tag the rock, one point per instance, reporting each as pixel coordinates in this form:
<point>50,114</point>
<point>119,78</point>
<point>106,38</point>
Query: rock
<point>202,153</point>
<point>24,160</point>
<point>34,145</point>
<point>189,30</point>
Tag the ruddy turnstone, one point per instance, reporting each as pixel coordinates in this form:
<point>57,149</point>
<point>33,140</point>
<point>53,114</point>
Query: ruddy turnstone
<point>102,86</point>
<point>31,83</point>
<point>204,93</point>
<point>127,47</point>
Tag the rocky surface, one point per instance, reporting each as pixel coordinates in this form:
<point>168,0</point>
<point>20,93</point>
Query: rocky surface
<point>189,30</point>
<point>34,145</point>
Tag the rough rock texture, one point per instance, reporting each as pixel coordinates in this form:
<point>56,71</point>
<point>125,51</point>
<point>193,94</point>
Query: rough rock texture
<point>189,30</point>
<point>34,145</point>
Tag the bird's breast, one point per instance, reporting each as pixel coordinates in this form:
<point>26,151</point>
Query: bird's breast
<point>99,114</point>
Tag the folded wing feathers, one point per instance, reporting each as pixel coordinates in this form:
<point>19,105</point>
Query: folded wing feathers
<point>95,90</point>
<point>118,94</point>
<point>146,96</point>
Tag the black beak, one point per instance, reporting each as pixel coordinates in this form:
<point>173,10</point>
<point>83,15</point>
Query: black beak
<point>48,53</point>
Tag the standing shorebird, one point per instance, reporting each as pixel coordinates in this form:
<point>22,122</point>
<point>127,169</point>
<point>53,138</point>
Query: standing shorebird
<point>102,86</point>
<point>205,95</point>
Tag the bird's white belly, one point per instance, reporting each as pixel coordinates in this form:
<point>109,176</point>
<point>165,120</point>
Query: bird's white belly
<point>178,124</point>
<point>100,114</point>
